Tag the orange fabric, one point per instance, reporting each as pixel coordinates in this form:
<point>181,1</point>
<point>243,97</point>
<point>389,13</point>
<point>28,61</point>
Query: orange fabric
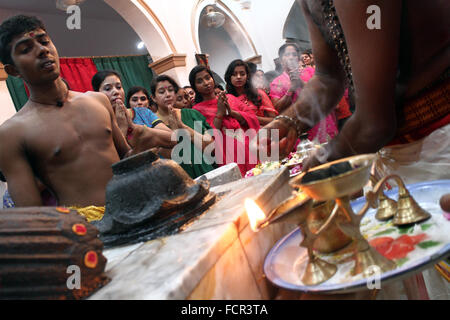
<point>428,111</point>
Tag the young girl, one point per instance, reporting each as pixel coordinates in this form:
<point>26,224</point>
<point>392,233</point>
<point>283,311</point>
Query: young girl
<point>163,90</point>
<point>240,86</point>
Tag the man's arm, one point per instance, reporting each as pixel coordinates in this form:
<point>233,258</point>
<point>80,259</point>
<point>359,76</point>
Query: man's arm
<point>324,90</point>
<point>374,60</point>
<point>319,95</point>
<point>18,172</point>
<point>162,126</point>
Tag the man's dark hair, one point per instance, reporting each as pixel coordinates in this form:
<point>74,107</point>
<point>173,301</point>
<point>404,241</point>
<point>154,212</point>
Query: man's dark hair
<point>284,46</point>
<point>100,76</point>
<point>134,90</point>
<point>13,27</point>
<point>162,78</point>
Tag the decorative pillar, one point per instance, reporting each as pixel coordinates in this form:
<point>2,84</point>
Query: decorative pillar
<point>169,62</point>
<point>255,59</point>
<point>173,65</point>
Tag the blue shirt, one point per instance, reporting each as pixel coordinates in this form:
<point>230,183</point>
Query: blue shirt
<point>146,117</point>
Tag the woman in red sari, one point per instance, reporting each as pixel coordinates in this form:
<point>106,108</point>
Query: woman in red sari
<point>240,86</point>
<point>226,114</point>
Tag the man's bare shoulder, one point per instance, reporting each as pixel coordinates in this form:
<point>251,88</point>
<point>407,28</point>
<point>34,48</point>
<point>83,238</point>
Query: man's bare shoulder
<point>12,138</point>
<point>98,96</point>
<point>13,128</point>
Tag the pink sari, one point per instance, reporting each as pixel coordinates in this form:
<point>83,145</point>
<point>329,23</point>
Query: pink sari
<point>229,147</point>
<point>327,128</point>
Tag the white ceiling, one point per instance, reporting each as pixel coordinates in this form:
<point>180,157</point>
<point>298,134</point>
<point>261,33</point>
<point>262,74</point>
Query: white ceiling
<point>96,9</point>
<point>103,31</point>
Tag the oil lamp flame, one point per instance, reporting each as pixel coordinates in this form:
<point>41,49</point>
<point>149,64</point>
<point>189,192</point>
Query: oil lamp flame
<point>254,213</point>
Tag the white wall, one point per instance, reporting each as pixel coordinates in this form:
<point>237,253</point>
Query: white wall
<point>218,44</point>
<point>7,109</point>
<point>264,22</point>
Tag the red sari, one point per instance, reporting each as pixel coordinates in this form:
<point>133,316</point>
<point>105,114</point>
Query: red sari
<point>229,147</point>
<point>266,104</point>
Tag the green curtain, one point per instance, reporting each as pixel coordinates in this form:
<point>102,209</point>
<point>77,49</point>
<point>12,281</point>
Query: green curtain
<point>17,91</point>
<point>134,70</point>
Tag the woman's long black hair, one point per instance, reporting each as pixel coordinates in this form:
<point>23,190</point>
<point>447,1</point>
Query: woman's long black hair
<point>192,74</point>
<point>249,90</point>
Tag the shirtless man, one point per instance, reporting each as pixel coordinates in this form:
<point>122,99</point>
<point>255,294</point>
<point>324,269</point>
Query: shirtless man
<point>389,66</point>
<point>68,140</point>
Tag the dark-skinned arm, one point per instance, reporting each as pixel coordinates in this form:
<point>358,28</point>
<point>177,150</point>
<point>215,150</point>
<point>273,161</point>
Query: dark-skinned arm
<point>320,94</point>
<point>265,120</point>
<point>374,59</point>
<point>17,170</point>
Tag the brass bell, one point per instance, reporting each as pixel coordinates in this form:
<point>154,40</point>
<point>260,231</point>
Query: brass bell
<point>386,208</point>
<point>408,211</point>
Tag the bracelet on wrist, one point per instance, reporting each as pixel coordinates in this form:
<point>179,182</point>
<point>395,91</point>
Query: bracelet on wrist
<point>219,117</point>
<point>295,123</point>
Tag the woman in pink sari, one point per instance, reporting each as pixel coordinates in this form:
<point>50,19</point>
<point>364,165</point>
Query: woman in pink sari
<point>230,118</point>
<point>285,89</point>
<point>239,85</point>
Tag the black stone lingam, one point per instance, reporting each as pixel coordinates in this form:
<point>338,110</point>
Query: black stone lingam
<point>148,198</point>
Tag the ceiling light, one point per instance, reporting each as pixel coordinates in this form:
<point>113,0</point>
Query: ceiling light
<point>141,45</point>
<point>213,18</point>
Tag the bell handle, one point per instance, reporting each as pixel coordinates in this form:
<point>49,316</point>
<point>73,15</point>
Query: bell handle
<point>373,195</point>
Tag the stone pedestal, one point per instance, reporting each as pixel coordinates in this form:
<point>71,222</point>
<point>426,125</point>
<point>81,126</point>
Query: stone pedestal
<point>217,257</point>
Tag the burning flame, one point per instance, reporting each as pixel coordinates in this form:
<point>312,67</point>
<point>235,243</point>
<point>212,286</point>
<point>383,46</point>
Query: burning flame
<point>254,213</point>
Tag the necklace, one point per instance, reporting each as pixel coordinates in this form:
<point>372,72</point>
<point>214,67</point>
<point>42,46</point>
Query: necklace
<point>337,35</point>
<point>58,103</point>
